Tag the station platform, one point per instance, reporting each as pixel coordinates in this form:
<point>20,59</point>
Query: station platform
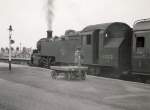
<point>32,88</point>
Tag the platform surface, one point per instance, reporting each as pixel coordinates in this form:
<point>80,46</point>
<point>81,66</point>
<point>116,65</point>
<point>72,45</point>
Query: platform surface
<point>31,88</point>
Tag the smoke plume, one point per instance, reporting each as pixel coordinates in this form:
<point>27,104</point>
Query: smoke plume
<point>49,13</point>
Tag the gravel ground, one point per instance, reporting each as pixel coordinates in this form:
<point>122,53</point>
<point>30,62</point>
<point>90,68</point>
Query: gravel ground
<point>31,88</point>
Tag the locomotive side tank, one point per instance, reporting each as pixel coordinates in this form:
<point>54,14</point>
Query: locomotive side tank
<point>141,47</point>
<point>107,46</point>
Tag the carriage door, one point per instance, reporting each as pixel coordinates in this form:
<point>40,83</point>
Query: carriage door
<point>95,46</point>
<point>141,58</point>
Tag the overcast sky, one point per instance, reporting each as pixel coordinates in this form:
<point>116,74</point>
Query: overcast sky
<point>28,17</point>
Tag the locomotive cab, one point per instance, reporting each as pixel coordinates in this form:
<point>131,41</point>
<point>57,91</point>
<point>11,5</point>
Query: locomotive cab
<point>141,47</point>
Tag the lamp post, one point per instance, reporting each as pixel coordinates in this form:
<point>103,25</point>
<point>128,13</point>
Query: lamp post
<point>10,34</point>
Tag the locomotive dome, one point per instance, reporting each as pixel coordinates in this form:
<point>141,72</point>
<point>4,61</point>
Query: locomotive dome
<point>70,32</point>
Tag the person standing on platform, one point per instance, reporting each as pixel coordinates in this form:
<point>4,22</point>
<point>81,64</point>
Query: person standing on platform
<point>77,57</point>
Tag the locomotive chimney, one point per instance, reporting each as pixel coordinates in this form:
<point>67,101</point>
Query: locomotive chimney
<point>49,34</point>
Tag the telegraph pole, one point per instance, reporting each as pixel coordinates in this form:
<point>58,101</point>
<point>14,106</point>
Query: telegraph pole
<point>10,34</point>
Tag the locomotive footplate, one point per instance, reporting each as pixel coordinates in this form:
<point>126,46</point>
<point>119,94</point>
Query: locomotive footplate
<point>69,72</point>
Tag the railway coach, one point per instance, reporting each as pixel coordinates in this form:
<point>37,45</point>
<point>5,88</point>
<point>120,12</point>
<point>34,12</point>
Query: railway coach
<point>141,49</point>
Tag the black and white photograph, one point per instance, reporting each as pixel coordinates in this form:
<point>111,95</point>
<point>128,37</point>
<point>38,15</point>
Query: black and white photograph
<point>74,55</point>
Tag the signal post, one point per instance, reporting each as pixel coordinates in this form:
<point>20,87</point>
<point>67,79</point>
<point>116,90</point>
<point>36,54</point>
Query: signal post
<point>10,42</point>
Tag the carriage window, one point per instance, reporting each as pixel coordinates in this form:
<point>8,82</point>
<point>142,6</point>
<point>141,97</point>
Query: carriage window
<point>88,39</point>
<point>140,42</point>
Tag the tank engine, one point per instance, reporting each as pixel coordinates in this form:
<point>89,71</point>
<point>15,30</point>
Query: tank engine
<point>56,50</point>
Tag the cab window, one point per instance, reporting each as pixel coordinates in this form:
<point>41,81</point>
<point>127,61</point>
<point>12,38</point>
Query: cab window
<point>88,39</point>
<point>140,42</point>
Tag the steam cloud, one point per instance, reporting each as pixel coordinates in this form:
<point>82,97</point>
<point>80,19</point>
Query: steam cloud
<point>49,13</point>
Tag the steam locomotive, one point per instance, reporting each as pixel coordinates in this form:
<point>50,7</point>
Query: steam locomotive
<point>110,49</point>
